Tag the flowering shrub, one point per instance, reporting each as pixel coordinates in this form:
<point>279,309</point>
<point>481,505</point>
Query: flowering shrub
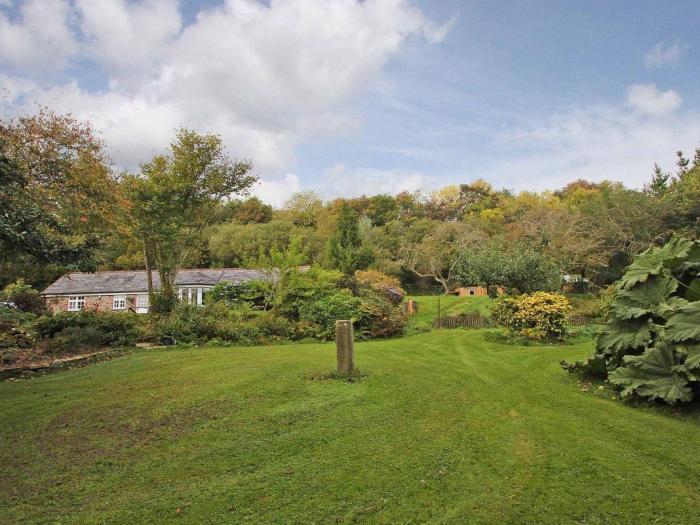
<point>540,316</point>
<point>388,286</point>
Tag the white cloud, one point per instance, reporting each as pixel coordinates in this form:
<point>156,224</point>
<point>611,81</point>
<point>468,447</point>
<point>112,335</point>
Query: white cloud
<point>357,181</point>
<point>41,38</point>
<point>646,98</point>
<point>619,143</point>
<point>277,191</point>
<point>265,77</point>
<point>663,54</point>
<point>129,39</point>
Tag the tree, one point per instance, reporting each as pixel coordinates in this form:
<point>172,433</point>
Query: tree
<point>58,196</point>
<point>437,253</point>
<point>682,204</point>
<point>251,210</point>
<point>304,208</point>
<point>513,266</point>
<point>344,249</point>
<point>381,209</point>
<point>659,182</point>
<point>625,222</point>
<point>175,197</point>
<point>446,204</point>
<point>562,235</point>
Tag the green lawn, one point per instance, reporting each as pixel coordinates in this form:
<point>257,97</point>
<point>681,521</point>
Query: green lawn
<point>445,427</point>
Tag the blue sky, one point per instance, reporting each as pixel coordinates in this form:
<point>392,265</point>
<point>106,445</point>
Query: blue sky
<point>347,98</point>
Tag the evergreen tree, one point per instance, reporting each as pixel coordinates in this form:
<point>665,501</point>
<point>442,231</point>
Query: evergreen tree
<point>344,250</point>
<point>659,182</point>
<point>682,164</point>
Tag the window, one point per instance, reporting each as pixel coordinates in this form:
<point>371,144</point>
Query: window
<point>190,295</point>
<point>472,291</point>
<point>119,302</point>
<point>75,303</point>
<point>141,301</point>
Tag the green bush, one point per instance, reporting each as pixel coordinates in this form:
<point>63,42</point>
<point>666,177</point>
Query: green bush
<point>541,316</point>
<point>109,329</point>
<point>162,303</point>
<point>324,312</point>
<point>75,338</point>
<point>235,295</point>
<point>218,321</point>
<point>299,289</point>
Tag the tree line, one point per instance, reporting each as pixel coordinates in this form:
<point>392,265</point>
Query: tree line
<point>64,206</point>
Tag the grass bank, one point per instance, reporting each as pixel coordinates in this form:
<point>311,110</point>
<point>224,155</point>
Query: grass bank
<point>445,427</point>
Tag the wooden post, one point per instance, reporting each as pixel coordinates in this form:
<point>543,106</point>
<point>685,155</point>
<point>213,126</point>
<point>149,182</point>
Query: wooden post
<point>344,347</point>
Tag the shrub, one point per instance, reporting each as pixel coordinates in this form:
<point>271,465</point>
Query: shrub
<point>75,338</point>
<point>540,316</point>
<point>109,329</point>
<point>298,289</point>
<point>217,321</point>
<point>650,346</point>
<point>24,297</point>
<point>162,303</point>
<point>379,317</point>
<point>324,312</point>
<point>234,295</point>
<point>384,284</point>
<point>184,324</point>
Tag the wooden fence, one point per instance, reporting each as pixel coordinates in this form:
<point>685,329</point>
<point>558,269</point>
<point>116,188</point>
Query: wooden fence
<point>581,320</point>
<point>463,321</point>
<point>479,321</point>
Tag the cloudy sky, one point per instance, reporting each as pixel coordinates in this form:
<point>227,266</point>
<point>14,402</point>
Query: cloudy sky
<point>347,97</point>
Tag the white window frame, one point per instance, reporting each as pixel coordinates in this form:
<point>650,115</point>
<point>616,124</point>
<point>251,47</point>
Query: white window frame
<point>76,303</point>
<point>142,301</point>
<point>191,295</point>
<point>119,302</point>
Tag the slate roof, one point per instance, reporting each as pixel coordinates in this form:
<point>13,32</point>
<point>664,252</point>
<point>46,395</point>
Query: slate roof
<point>135,280</point>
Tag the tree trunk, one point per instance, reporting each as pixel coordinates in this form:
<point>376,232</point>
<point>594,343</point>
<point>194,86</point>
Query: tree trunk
<point>149,268</point>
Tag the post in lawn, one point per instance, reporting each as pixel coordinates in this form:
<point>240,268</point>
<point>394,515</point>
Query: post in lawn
<point>344,347</point>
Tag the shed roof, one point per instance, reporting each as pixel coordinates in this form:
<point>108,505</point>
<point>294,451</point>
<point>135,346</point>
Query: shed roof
<point>135,280</point>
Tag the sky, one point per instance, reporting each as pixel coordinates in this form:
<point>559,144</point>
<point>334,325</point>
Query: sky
<point>348,97</point>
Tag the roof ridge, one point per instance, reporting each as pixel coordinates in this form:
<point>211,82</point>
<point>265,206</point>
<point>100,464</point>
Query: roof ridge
<point>156,271</point>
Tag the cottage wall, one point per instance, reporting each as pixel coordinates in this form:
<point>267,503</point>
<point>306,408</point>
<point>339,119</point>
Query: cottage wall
<point>100,303</point>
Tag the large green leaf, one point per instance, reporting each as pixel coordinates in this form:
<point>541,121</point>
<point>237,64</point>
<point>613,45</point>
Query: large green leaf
<point>658,360</point>
<point>693,291</point>
<point>684,324</point>
<point>670,306</point>
<point>653,374</point>
<point>692,356</point>
<point>645,298</point>
<point>670,389</point>
<point>620,335</point>
<point>595,366</point>
<point>654,260</point>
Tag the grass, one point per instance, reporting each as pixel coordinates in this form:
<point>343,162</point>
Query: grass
<point>444,427</point>
<point>449,305</point>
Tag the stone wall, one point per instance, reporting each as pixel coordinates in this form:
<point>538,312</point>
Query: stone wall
<point>100,303</point>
